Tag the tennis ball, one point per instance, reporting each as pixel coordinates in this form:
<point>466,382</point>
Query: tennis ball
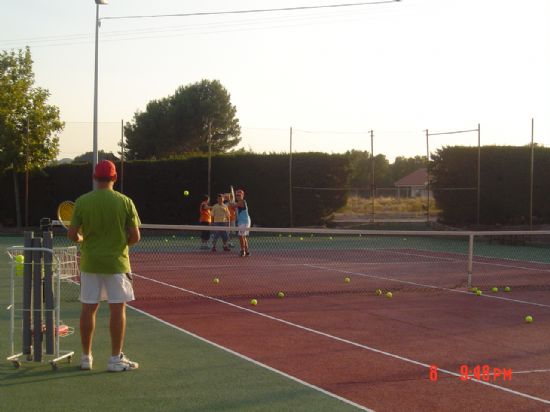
<point>494,289</point>
<point>186,192</point>
<point>19,265</point>
<point>507,289</point>
<point>389,295</point>
<point>301,238</point>
<point>474,289</point>
<point>253,302</point>
<point>281,295</point>
<point>529,319</point>
<point>378,292</point>
<point>479,292</point>
<point>215,281</point>
<point>347,280</point>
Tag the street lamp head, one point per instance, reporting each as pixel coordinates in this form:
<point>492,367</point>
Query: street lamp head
<point>101,1</point>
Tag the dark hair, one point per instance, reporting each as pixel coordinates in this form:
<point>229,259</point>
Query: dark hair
<point>205,197</point>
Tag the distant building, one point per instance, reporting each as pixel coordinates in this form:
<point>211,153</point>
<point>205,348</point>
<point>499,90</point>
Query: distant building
<point>414,184</point>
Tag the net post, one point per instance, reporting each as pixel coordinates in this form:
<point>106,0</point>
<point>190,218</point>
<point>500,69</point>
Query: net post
<point>470,258</point>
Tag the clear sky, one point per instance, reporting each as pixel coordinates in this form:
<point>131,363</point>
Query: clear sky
<point>332,74</point>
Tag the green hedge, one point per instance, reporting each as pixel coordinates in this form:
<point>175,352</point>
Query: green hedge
<point>505,184</point>
<point>157,187</point>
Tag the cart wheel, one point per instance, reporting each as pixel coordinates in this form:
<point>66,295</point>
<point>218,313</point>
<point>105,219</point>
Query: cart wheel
<point>69,359</point>
<point>54,366</point>
<point>16,364</point>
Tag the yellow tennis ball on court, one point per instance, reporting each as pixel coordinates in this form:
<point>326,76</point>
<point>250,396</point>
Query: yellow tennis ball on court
<point>378,292</point>
<point>281,294</point>
<point>347,280</point>
<point>494,289</point>
<point>389,295</point>
<point>186,192</point>
<point>528,319</point>
<point>301,238</point>
<point>253,302</point>
<point>507,289</point>
<point>215,281</point>
<point>479,292</point>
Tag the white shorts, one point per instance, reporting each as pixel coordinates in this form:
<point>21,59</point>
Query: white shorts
<point>96,287</point>
<point>242,229</point>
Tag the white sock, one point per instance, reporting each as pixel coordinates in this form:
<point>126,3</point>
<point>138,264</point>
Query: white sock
<point>115,358</point>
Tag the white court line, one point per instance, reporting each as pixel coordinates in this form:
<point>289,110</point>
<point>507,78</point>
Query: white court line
<point>483,262</point>
<point>295,264</point>
<point>255,362</point>
<point>349,272</point>
<point>431,258</point>
<point>336,338</point>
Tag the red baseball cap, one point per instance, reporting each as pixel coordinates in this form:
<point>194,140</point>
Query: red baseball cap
<point>105,169</point>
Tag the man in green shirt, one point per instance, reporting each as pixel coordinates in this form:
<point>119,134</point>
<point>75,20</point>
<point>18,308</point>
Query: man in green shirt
<point>106,223</point>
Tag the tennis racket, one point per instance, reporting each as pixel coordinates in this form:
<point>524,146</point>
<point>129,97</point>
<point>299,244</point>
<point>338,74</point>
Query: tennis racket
<point>65,213</point>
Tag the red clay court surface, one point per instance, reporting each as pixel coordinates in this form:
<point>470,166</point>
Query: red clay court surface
<point>369,349</point>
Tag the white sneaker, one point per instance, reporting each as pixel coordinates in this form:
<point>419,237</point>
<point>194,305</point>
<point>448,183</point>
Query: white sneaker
<point>86,362</point>
<point>121,364</point>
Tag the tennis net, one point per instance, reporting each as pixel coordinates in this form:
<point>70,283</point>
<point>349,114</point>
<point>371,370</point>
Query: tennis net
<point>172,262</point>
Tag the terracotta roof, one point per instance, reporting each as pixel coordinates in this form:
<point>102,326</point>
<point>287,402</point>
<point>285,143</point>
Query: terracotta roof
<point>417,178</point>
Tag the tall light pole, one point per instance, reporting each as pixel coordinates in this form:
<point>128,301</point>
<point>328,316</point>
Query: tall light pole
<point>97,24</point>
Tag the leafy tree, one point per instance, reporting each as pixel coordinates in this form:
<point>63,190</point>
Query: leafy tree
<point>402,166</point>
<point>361,171</point>
<point>88,157</point>
<point>28,125</point>
<point>197,116</point>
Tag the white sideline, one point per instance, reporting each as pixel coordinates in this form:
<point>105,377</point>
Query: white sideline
<point>336,338</point>
<point>255,362</point>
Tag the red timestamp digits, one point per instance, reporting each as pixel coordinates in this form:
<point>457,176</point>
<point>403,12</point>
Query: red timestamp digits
<point>484,373</point>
